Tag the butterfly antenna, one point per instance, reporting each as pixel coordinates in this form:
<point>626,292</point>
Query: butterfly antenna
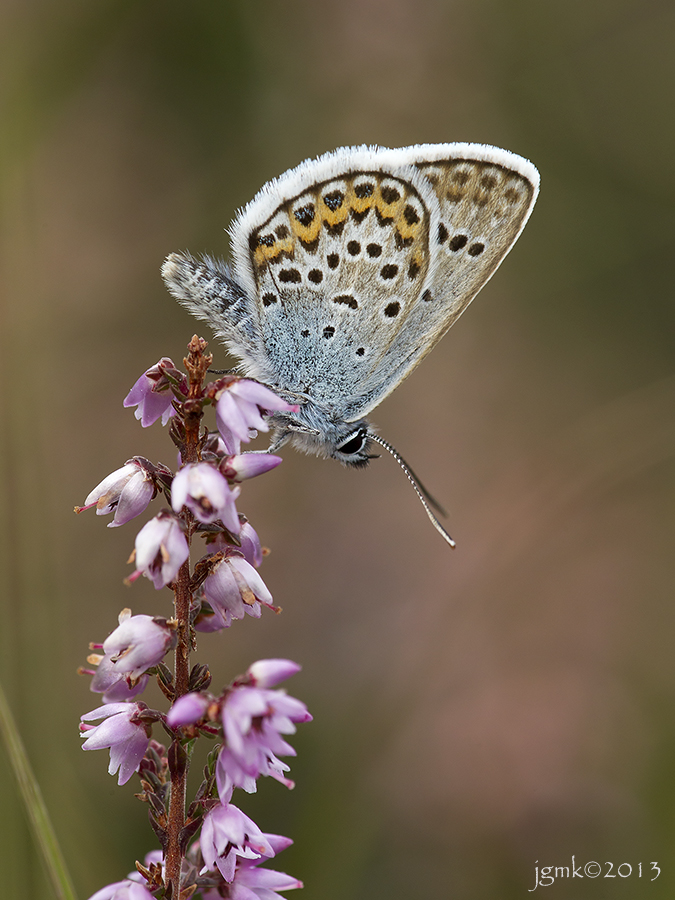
<point>423,495</point>
<point>431,500</point>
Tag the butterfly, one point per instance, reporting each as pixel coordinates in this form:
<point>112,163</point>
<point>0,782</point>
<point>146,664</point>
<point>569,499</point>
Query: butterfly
<point>347,270</point>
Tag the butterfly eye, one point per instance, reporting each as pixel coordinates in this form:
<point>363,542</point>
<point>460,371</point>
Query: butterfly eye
<point>354,442</point>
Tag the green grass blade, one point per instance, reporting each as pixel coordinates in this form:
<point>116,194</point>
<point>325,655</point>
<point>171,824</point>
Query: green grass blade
<point>35,806</point>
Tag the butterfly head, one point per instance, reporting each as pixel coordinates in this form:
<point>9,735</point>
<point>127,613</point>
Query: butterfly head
<point>347,442</point>
<point>353,449</point>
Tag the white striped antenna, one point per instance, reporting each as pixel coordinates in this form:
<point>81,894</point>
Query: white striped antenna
<point>423,495</point>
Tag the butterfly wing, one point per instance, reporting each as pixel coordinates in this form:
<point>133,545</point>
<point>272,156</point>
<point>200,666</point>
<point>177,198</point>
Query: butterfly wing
<point>335,253</point>
<point>485,197</point>
<point>349,268</point>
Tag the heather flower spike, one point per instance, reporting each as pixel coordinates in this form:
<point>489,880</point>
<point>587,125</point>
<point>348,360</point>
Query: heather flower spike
<point>211,848</point>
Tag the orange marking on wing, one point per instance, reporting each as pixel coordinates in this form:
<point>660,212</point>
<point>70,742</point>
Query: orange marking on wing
<point>333,217</point>
<point>356,203</point>
<point>306,233</point>
<point>265,253</point>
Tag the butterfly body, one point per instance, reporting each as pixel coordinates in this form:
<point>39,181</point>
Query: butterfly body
<point>349,268</point>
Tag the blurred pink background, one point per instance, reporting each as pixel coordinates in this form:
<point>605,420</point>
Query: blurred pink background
<point>477,712</point>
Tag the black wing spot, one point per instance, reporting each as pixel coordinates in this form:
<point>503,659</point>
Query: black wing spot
<point>333,260</point>
<point>358,217</point>
<point>334,200</point>
<point>328,331</point>
<point>383,221</point>
<point>353,248</point>
<point>334,230</point>
<point>290,275</point>
<point>360,351</point>
<point>411,215</point>
<point>310,246</point>
<point>315,276</point>
<point>426,296</point>
<point>402,242</point>
<point>281,231</point>
<point>459,241</point>
<point>413,270</point>
<point>391,310</point>
<point>389,271</point>
<point>305,214</point>
<point>305,333</point>
<point>363,190</point>
<point>442,233</point>
<point>390,194</point>
<point>374,250</point>
<point>476,249</point>
<point>347,300</point>
<point>268,299</point>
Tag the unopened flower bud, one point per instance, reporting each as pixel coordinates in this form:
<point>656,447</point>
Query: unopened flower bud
<point>187,710</point>
<point>267,673</point>
<point>248,465</point>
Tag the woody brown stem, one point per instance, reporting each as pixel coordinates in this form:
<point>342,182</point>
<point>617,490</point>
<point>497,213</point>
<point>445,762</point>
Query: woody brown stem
<point>197,363</point>
<point>177,765</point>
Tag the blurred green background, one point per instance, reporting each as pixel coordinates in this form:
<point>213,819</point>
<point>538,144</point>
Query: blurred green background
<point>476,712</point>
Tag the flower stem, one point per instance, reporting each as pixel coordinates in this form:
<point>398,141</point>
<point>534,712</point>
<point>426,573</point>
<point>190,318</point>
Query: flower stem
<point>197,363</point>
<point>177,762</point>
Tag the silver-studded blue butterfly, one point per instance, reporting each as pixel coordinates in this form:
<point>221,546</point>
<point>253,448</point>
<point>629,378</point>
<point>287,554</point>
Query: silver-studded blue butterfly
<point>348,269</point>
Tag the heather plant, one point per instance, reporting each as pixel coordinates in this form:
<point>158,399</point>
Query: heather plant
<point>208,847</point>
